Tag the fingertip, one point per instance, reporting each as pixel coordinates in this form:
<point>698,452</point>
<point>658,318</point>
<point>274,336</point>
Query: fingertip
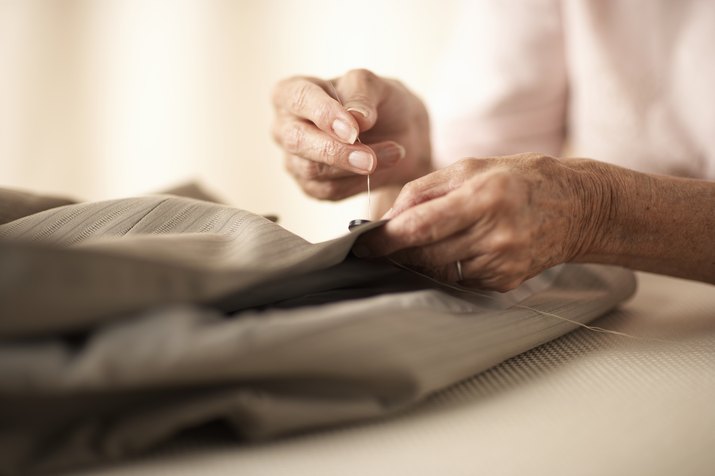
<point>402,152</point>
<point>362,161</point>
<point>344,130</point>
<point>359,109</point>
<point>388,153</point>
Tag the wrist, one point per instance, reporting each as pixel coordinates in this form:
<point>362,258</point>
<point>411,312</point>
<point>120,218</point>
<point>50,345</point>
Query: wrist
<point>600,198</point>
<point>647,222</point>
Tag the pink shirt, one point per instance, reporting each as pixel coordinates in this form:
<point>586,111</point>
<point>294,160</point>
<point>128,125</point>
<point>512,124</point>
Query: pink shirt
<point>631,82</point>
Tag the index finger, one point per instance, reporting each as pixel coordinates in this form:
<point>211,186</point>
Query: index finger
<point>305,98</point>
<point>423,224</point>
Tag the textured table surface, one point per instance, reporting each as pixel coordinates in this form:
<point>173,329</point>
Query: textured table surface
<point>584,404</point>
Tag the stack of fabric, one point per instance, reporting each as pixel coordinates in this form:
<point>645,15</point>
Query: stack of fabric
<point>124,323</point>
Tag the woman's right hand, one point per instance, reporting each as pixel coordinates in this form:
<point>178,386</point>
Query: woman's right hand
<point>319,132</point>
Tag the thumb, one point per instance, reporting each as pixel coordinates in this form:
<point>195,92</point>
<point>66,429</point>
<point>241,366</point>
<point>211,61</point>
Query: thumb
<point>361,92</point>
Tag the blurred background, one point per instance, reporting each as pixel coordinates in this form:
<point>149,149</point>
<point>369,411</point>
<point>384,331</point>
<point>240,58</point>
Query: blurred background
<point>113,98</point>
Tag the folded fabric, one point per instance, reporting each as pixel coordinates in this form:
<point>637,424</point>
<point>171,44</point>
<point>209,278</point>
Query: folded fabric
<point>123,323</point>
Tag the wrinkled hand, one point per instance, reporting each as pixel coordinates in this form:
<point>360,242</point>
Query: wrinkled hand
<point>318,133</point>
<point>506,219</point>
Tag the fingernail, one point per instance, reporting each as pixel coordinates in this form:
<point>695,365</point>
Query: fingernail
<point>360,110</point>
<point>387,215</point>
<point>361,251</point>
<point>391,154</point>
<point>360,160</point>
<point>345,131</point>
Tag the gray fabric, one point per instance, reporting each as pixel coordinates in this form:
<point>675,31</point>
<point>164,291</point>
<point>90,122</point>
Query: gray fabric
<point>585,404</point>
<point>93,261</point>
<point>16,204</point>
<point>367,341</point>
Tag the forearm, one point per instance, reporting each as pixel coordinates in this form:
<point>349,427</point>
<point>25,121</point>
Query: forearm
<point>647,222</point>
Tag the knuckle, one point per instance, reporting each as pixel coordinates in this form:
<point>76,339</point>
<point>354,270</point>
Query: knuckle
<point>409,233</point>
<point>312,170</point>
<point>514,269</point>
<point>510,284</point>
<point>322,116</point>
<point>330,151</point>
<point>476,186</point>
<point>502,240</point>
<point>540,159</point>
<point>502,283</point>
<point>292,138</point>
<point>364,74</point>
<point>489,283</point>
<point>502,287</point>
<point>301,98</point>
<point>423,230</point>
<point>410,191</point>
<point>316,170</point>
<point>501,181</point>
<point>466,165</point>
<point>504,185</point>
<point>542,163</point>
<point>490,198</point>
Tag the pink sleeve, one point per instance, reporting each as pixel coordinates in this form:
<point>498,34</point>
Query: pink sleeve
<point>503,86</point>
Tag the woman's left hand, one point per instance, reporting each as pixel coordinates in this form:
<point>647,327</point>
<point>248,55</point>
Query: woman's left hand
<point>503,219</point>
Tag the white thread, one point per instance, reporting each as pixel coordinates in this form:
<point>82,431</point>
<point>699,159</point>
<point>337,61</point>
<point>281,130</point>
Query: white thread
<point>538,311</point>
<point>369,205</point>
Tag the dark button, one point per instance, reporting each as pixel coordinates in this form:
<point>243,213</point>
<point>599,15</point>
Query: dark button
<point>356,223</point>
